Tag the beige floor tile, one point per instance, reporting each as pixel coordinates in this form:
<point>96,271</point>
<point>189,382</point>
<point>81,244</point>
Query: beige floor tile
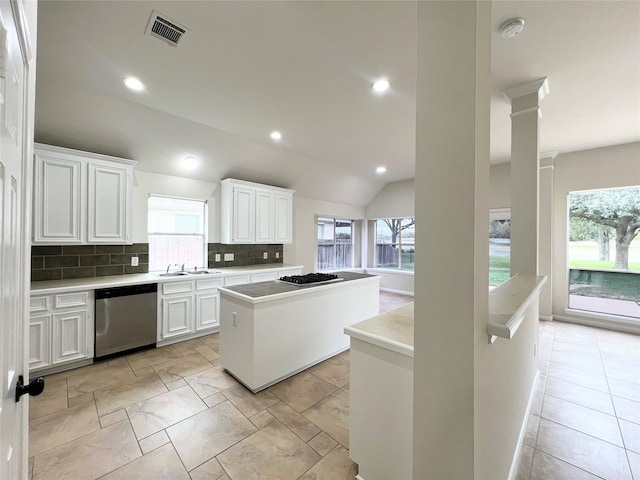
<point>181,367</point>
<point>176,384</point>
<point>188,347</point>
<point>630,435</point>
<point>80,399</point>
<point>322,443</point>
<point>56,380</point>
<point>211,381</point>
<point>61,427</point>
<point>634,462</point>
<point>141,361</point>
<point>586,362</point>
<point>122,395</point>
<point>583,451</point>
<point>157,413</point>
<point>51,400</point>
<point>90,456</point>
<point>205,435</point>
<point>295,421</point>
<point>547,467</point>
<point>302,390</point>
<point>332,416</point>
<point>524,467</point>
<point>212,341</point>
<point>334,370</point>
<point>215,399</point>
<point>90,380</point>
<point>532,430</point>
<point>585,420</point>
<point>628,390</point>
<point>118,362</point>
<point>112,418</point>
<point>579,377</point>
<point>211,470</point>
<point>30,466</point>
<point>620,370</point>
<point>250,403</point>
<point>160,464</point>
<point>587,397</point>
<point>335,466</point>
<point>207,352</point>
<point>627,409</point>
<point>273,452</point>
<point>153,441</point>
<point>262,419</point>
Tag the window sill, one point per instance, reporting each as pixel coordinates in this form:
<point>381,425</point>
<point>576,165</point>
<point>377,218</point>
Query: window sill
<point>390,271</point>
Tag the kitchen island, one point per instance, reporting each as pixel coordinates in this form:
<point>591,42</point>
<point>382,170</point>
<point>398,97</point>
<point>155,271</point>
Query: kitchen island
<point>272,330</point>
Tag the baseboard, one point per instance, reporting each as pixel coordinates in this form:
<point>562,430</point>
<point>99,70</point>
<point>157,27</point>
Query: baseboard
<point>399,292</point>
<point>606,322</point>
<point>546,318</point>
<point>515,463</point>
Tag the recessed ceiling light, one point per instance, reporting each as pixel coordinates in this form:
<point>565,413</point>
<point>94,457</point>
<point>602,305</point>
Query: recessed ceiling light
<point>134,84</point>
<point>381,85</point>
<point>275,135</point>
<point>511,28</point>
<point>190,163</point>
<point>381,169</point>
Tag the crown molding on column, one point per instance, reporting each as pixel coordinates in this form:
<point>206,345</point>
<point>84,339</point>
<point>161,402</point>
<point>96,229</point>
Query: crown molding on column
<point>540,86</point>
<point>547,158</point>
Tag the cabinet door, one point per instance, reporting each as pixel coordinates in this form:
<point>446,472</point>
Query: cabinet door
<point>243,215</point>
<point>265,221</point>
<point>70,336</point>
<point>39,341</point>
<point>109,203</point>
<point>58,200</point>
<point>283,218</point>
<point>207,310</point>
<point>177,316</point>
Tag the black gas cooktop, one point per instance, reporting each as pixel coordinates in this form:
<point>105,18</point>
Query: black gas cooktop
<point>310,278</point>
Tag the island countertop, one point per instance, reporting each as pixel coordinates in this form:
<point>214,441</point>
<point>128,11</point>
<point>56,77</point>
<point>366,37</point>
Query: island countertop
<point>392,330</point>
<point>271,290</point>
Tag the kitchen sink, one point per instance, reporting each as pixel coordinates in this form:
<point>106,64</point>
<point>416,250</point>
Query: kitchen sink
<point>172,274</point>
<point>203,272</point>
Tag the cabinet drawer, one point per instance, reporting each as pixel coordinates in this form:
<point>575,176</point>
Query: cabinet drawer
<point>76,299</point>
<point>177,287</point>
<point>236,280</point>
<point>208,283</point>
<point>38,304</point>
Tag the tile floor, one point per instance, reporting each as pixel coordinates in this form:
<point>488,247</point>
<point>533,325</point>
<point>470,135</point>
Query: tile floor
<point>173,413</point>
<point>585,421</point>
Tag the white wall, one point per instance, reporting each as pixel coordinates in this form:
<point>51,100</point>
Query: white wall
<point>145,183</point>
<point>305,210</point>
<point>395,200</point>
<point>500,186</point>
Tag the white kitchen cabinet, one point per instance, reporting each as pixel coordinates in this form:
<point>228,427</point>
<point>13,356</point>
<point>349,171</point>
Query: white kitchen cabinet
<point>81,197</point>
<point>61,330</point>
<point>188,308</point>
<point>255,213</point>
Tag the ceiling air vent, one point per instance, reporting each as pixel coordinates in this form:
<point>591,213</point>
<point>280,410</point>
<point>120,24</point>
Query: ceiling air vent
<point>165,29</point>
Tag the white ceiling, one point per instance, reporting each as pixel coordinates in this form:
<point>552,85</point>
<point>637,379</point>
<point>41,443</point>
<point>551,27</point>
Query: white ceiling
<point>304,68</point>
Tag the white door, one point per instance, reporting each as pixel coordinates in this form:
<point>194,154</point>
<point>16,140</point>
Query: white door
<point>108,204</point>
<point>177,316</point>
<point>244,215</point>
<point>283,218</point>
<point>15,59</point>
<point>207,310</point>
<point>264,217</point>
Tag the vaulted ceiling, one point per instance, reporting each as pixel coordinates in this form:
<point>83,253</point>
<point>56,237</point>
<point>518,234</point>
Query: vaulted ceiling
<point>244,69</point>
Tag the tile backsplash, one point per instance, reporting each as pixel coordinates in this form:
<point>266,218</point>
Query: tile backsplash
<point>57,262</point>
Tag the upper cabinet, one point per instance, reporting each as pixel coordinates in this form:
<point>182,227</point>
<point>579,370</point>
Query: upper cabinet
<point>81,197</point>
<point>255,213</point>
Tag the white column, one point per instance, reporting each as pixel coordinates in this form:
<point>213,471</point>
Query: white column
<point>545,232</point>
<point>525,139</point>
<point>452,222</point>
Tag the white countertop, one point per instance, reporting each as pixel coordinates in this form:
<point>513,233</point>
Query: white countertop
<point>70,285</point>
<point>392,330</point>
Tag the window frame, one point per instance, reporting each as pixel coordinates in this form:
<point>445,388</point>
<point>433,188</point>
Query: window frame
<point>335,242</point>
<point>399,244</point>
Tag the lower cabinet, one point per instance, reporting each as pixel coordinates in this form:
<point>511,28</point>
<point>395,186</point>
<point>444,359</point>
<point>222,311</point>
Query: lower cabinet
<point>60,329</point>
<point>188,308</point>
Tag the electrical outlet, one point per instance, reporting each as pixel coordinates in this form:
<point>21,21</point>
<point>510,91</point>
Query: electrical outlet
<point>134,261</point>
<point>265,255</point>
<point>217,257</point>
<point>228,257</point>
<point>277,254</point>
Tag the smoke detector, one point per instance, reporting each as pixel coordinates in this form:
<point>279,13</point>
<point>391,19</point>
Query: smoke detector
<point>511,28</point>
<point>165,29</point>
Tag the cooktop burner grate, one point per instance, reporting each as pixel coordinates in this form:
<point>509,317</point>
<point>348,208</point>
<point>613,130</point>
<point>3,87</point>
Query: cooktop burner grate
<point>309,278</point>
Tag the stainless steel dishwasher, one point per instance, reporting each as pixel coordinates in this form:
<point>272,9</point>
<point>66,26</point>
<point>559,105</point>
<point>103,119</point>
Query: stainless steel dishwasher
<point>126,318</point>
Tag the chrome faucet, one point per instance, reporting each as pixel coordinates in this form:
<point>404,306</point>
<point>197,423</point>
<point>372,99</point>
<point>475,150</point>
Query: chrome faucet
<point>168,267</point>
<point>182,268</point>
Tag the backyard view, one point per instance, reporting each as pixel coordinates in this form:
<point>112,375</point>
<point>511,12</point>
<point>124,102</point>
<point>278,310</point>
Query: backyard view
<point>604,251</point>
<point>499,251</point>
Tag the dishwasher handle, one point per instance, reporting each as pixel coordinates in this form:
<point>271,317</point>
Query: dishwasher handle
<point>125,291</point>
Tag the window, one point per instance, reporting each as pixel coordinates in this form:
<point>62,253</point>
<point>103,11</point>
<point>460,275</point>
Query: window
<point>499,246</point>
<point>395,243</point>
<point>177,232</point>
<point>604,251</point>
<point>335,243</point>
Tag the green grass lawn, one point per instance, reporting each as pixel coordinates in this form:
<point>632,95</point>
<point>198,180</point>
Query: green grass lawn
<point>599,265</point>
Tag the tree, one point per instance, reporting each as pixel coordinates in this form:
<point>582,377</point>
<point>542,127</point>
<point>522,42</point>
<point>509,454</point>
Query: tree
<point>581,229</point>
<point>618,209</point>
<point>396,225</point>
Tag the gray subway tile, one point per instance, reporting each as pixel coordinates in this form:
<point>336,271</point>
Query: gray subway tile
<point>78,249</point>
<point>37,263</point>
<point>93,260</point>
<point>141,268</point>
<point>109,248</point>
<point>121,259</point>
<point>110,270</point>
<point>137,248</point>
<point>43,275</point>
<point>61,261</point>
<point>46,250</point>
<point>78,272</point>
